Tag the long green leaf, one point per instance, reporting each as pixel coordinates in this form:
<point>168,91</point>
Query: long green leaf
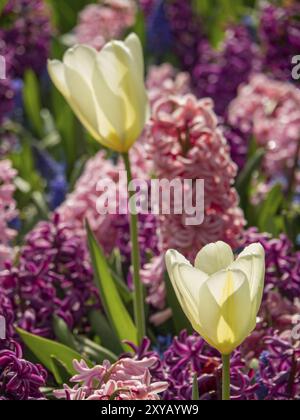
<point>107,335</point>
<point>62,332</point>
<point>32,101</point>
<point>45,350</point>
<point>245,177</point>
<point>270,209</point>
<point>115,310</point>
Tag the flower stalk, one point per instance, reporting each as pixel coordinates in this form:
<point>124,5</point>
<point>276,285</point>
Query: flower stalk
<point>226,378</point>
<point>139,311</point>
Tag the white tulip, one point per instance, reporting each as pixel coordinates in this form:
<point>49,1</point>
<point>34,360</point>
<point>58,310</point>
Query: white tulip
<point>106,90</point>
<point>220,296</point>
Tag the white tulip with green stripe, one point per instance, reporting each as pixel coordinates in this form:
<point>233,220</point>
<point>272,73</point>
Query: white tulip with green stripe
<point>106,90</point>
<point>220,296</point>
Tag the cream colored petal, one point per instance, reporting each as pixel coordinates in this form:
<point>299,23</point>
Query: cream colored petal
<point>214,257</point>
<point>232,293</point>
<point>189,283</point>
<point>56,71</point>
<point>131,89</point>
<point>108,77</point>
<point>134,44</point>
<point>82,59</point>
<point>173,260</point>
<point>252,262</point>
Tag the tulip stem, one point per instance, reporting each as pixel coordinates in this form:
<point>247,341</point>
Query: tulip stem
<point>226,378</point>
<point>139,311</point>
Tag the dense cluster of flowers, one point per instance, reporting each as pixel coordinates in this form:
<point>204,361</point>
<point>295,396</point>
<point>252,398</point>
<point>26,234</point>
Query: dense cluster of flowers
<point>215,73</point>
<point>7,209</point>
<point>204,116</point>
<point>99,23</point>
<point>269,110</point>
<point>185,142</point>
<point>6,98</point>
<point>127,379</point>
<point>282,262</point>
<point>53,276</point>
<point>279,32</point>
<point>26,39</point>
<point>19,378</point>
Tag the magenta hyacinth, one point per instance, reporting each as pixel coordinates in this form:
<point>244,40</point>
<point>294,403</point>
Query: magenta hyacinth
<point>8,210</point>
<point>19,378</point>
<point>282,262</point>
<point>53,276</point>
<point>26,40</point>
<point>279,33</point>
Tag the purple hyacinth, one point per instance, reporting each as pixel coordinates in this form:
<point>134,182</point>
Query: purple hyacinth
<point>186,32</point>
<point>279,31</point>
<point>6,100</point>
<point>19,378</point>
<point>53,276</point>
<point>218,74</point>
<point>189,354</point>
<point>238,143</point>
<point>279,369</point>
<point>282,263</point>
<point>26,38</point>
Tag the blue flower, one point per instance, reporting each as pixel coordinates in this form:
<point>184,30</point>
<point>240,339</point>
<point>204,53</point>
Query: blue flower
<point>159,37</point>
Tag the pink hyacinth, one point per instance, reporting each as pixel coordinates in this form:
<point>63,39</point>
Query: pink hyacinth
<point>7,210</point>
<point>165,81</point>
<point>185,142</point>
<point>99,23</point>
<point>271,111</point>
<point>127,379</point>
<point>81,204</point>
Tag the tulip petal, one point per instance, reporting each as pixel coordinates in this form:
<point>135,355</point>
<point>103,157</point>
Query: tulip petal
<point>214,257</point>
<point>130,87</point>
<point>252,262</point>
<point>79,62</point>
<point>136,49</point>
<point>56,71</point>
<point>189,283</point>
<point>232,293</point>
<point>108,77</point>
<point>173,260</point>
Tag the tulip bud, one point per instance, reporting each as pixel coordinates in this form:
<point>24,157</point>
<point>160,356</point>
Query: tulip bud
<point>106,90</point>
<point>221,297</point>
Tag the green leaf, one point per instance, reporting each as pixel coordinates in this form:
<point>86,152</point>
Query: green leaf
<point>269,209</point>
<point>244,180</point>
<point>179,319</point>
<point>95,351</point>
<point>32,101</point>
<point>45,350</point>
<point>62,332</point>
<point>61,370</point>
<point>3,3</point>
<point>101,327</point>
<point>195,396</point>
<point>115,310</point>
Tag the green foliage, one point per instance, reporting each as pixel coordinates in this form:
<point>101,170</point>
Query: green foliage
<point>118,316</point>
<point>51,353</point>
